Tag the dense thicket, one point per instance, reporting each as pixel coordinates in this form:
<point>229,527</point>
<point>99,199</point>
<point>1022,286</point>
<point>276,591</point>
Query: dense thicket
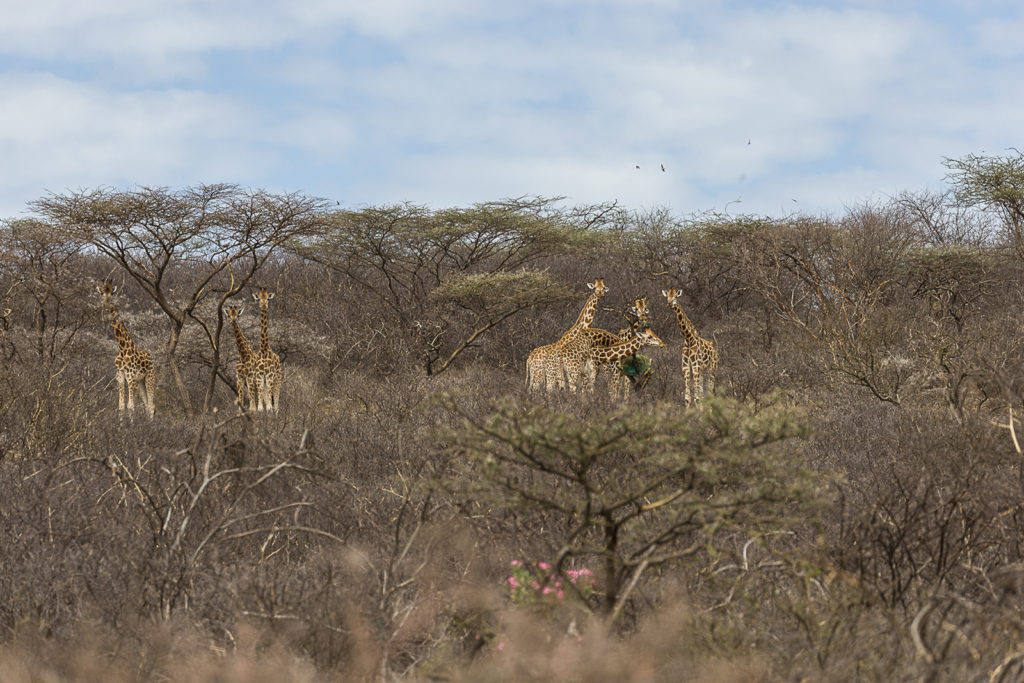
<point>847,505</point>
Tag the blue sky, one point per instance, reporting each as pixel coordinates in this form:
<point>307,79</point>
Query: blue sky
<point>755,107</point>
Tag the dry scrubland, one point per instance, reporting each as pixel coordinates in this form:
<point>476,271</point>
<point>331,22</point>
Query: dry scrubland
<point>847,505</point>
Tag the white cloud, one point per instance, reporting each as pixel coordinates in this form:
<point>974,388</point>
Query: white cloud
<point>451,101</point>
<point>58,135</point>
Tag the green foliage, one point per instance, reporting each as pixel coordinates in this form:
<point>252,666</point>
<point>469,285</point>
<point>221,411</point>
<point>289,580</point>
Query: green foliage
<point>637,488</point>
<point>495,294</point>
<point>995,183</point>
<point>635,366</point>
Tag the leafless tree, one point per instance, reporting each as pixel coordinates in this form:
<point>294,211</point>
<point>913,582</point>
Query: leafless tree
<point>177,246</point>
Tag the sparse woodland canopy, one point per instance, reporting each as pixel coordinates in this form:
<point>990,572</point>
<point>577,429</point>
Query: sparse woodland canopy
<point>846,506</point>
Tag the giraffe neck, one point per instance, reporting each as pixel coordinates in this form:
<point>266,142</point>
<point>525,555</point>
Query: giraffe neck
<point>621,350</point>
<point>586,317</point>
<point>264,336</point>
<point>244,348</point>
<point>689,331</point>
<point>121,333</point>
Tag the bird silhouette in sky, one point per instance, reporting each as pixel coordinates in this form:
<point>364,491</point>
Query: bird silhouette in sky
<point>638,167</point>
<point>663,168</point>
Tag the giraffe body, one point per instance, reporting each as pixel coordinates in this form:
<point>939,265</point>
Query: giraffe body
<point>266,365</point>
<point>610,355</point>
<point>134,366</point>
<point>618,381</point>
<point>700,359</point>
<point>245,380</point>
<point>563,362</point>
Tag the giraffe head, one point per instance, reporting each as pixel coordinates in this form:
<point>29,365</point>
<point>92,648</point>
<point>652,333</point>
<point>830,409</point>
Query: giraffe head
<point>672,295</point>
<point>598,287</point>
<point>107,291</point>
<point>234,312</point>
<point>262,296</point>
<point>648,337</point>
<point>639,309</point>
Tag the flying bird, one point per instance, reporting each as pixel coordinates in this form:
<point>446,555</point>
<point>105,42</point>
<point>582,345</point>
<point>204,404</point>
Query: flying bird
<point>663,168</point>
<point>638,167</point>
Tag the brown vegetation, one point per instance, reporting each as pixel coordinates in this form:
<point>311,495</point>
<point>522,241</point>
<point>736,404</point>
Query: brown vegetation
<point>847,505</point>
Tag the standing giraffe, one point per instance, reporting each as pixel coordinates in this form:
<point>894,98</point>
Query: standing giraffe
<point>134,365</point>
<point>699,355</point>
<point>266,365</point>
<point>618,380</point>
<point>640,336</point>
<point>245,381</point>
<point>546,365</point>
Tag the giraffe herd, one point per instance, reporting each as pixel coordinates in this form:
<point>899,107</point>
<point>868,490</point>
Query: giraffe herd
<point>258,374</point>
<point>575,360</point>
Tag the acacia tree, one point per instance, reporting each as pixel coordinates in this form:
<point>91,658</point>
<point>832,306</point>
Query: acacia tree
<point>38,265</point>
<point>633,490</point>
<point>177,245</point>
<point>834,280</point>
<point>996,184</point>
<point>448,277</point>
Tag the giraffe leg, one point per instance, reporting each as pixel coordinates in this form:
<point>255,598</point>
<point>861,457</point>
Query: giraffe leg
<point>263,389</point>
<point>240,386</point>
<point>277,393</point>
<point>572,373</point>
<point>131,394</point>
<point>554,372</point>
<point>151,392</point>
<point>698,386</point>
<point>250,387</point>
<point>120,391</point>
<point>686,380</point>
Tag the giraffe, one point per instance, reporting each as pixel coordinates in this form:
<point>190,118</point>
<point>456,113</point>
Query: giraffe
<point>245,382</point>
<point>699,355</point>
<point>617,379</point>
<point>266,365</point>
<point>545,366</point>
<point>134,365</point>
<point>611,355</point>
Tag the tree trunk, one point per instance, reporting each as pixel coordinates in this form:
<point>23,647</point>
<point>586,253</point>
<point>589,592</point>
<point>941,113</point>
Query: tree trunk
<point>211,386</point>
<point>172,362</point>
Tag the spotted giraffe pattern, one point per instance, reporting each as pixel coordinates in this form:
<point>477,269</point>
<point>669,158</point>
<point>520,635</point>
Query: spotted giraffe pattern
<point>245,380</point>
<point>266,365</point>
<point>639,337</point>
<point>700,359</point>
<point>546,365</point>
<point>134,366</point>
<point>618,381</point>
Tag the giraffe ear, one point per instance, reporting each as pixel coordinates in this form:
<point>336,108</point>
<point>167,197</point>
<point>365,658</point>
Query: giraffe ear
<point>270,295</point>
<point>255,296</point>
<point>590,285</point>
<point>664,293</point>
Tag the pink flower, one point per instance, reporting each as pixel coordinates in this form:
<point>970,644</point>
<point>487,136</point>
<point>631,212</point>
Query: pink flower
<point>501,646</point>
<point>513,582</point>
<point>516,563</point>
<point>561,594</point>
<point>544,565</point>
